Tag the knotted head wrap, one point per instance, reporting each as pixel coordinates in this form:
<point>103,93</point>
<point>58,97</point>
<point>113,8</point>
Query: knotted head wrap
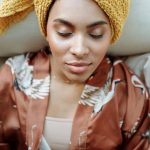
<point>116,10</point>
<point>13,11</point>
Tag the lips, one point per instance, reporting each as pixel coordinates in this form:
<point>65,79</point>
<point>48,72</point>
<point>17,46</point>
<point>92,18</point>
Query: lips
<point>78,67</point>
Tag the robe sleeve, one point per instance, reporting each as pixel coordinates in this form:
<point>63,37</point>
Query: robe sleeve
<point>136,127</point>
<point>8,113</point>
<point>6,83</point>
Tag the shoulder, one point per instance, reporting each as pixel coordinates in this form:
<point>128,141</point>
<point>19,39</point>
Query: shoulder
<point>135,123</point>
<point>19,65</point>
<point>27,60</point>
<point>6,77</point>
<point>133,96</point>
<point>31,73</point>
<point>133,83</point>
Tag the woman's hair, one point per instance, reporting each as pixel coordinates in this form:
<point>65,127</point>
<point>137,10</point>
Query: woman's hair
<point>49,9</point>
<point>116,10</point>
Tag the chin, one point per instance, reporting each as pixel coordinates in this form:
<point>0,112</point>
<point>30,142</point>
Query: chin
<point>78,78</point>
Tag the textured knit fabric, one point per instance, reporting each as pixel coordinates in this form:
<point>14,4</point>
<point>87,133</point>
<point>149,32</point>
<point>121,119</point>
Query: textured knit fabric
<point>116,10</point>
<point>112,113</point>
<point>12,11</point>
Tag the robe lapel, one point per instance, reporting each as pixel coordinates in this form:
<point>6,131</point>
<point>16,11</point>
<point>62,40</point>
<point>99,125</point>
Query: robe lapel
<point>37,108</point>
<point>83,116</point>
<point>35,121</point>
<point>80,127</point>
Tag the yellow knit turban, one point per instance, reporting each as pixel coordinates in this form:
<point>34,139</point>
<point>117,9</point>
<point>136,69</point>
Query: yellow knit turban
<point>13,10</point>
<point>116,10</point>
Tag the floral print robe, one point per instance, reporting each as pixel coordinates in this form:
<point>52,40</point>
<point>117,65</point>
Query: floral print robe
<point>112,114</point>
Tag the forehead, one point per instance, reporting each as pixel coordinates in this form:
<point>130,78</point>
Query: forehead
<point>77,10</point>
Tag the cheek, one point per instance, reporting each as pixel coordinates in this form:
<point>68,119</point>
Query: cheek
<point>56,44</point>
<point>100,49</point>
<point>100,52</point>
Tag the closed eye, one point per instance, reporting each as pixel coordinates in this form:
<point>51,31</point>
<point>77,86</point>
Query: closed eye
<point>64,34</point>
<point>95,36</point>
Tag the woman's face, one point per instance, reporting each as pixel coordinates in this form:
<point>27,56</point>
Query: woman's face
<point>79,34</point>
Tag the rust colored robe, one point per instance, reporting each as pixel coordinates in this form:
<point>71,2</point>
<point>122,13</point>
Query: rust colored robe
<point>112,113</point>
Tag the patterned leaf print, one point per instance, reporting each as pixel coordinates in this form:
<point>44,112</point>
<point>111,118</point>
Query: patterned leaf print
<point>99,96</point>
<point>24,81</point>
<point>39,88</point>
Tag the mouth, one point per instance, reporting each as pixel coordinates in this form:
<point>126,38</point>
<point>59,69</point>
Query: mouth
<point>78,67</point>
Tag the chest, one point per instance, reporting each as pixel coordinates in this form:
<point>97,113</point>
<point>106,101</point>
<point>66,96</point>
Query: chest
<point>63,101</point>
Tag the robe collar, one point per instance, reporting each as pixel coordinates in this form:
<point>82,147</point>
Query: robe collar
<point>37,108</point>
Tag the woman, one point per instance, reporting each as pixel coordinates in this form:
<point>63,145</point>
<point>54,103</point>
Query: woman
<point>103,104</point>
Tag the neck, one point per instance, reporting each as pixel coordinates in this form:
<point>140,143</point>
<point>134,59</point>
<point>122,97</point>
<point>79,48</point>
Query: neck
<point>57,79</point>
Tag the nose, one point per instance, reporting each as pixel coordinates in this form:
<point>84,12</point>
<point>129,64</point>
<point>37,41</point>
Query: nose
<point>79,47</point>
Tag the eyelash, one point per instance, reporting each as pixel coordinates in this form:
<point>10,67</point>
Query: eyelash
<point>96,36</point>
<point>65,35</point>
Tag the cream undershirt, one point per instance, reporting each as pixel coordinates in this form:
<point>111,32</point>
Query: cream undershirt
<point>57,132</point>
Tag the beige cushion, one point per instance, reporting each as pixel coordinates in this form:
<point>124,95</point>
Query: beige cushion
<point>136,34</point>
<point>22,37</point>
<point>25,36</point>
<point>141,65</point>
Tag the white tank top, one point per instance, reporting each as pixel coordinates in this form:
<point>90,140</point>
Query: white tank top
<point>57,132</point>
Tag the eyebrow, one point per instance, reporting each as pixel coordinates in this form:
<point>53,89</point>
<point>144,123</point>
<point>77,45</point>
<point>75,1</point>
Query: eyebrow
<point>101,22</point>
<point>64,22</point>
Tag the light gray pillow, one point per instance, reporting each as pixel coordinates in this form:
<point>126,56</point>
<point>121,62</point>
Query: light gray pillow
<point>25,36</point>
<point>136,34</point>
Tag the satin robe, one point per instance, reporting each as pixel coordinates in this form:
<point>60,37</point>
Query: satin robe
<point>112,114</point>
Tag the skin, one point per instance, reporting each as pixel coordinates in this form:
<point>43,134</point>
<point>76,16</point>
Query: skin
<point>78,44</point>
